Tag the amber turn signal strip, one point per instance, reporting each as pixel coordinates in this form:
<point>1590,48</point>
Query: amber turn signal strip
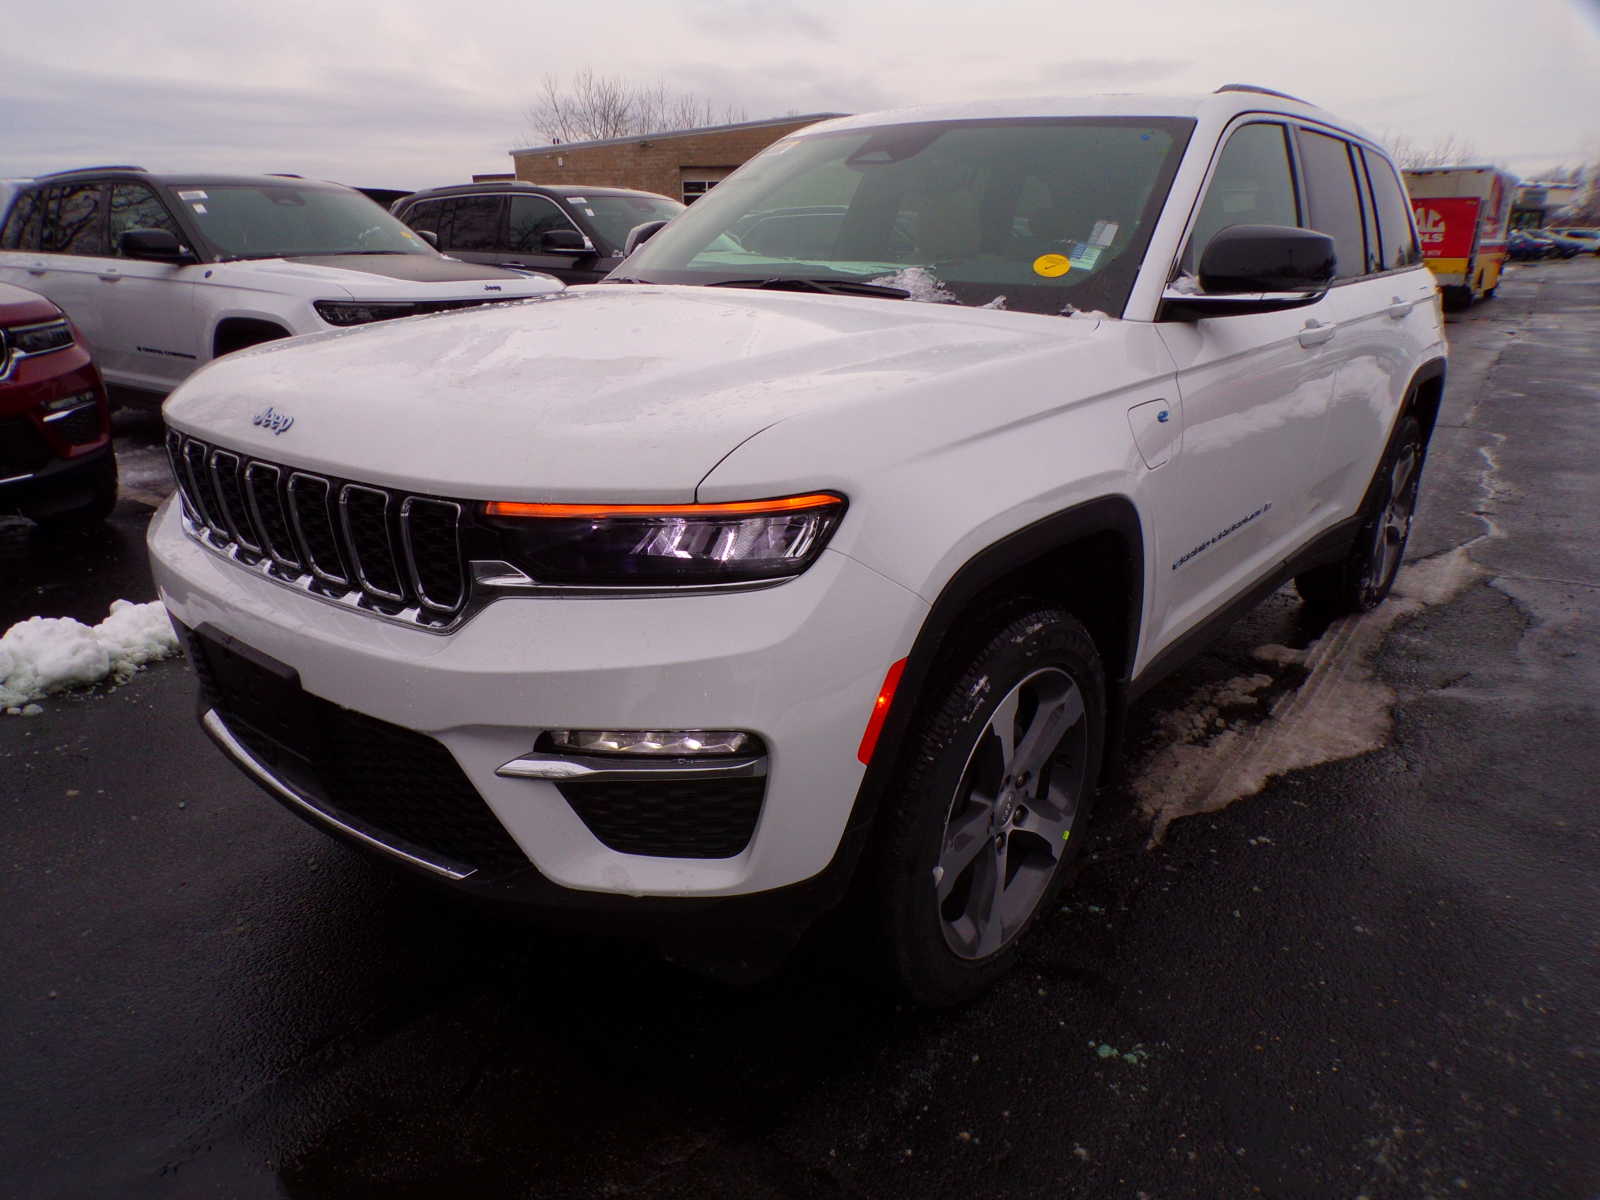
<point>738,508</point>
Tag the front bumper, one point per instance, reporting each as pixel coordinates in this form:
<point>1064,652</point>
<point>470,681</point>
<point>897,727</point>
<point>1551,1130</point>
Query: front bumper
<point>798,665</point>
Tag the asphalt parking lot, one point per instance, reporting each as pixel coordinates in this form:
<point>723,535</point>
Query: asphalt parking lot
<point>1377,976</point>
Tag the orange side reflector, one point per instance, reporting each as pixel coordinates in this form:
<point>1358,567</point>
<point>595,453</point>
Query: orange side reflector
<point>515,508</point>
<point>880,711</point>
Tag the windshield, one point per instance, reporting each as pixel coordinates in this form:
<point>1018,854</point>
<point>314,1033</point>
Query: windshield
<point>1044,215</point>
<point>614,216</point>
<point>284,221</point>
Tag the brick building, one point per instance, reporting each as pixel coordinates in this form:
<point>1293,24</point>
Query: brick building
<point>684,164</point>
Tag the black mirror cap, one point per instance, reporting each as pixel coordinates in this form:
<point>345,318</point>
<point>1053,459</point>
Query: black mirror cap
<point>429,236</point>
<point>639,235</point>
<point>1251,259</point>
<point>563,241</point>
<point>157,245</point>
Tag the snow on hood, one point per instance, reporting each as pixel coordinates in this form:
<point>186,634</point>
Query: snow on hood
<point>48,654</point>
<point>615,392</point>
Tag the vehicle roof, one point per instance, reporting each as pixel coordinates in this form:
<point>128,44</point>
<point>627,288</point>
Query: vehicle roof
<point>523,185</point>
<point>187,178</point>
<point>1222,105</point>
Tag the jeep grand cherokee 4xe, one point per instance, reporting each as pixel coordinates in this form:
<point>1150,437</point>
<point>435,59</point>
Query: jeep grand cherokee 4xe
<point>162,273</point>
<point>833,535</point>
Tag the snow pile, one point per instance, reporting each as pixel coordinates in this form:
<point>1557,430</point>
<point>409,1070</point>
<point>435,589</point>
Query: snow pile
<point>46,654</point>
<point>922,283</point>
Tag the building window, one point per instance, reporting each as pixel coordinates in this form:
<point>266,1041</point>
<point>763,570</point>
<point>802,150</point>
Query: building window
<point>693,189</point>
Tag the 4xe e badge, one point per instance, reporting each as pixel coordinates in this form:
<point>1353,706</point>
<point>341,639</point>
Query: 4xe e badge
<point>271,419</point>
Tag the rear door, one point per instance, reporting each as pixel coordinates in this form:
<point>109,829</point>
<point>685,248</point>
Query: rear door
<point>1383,310</point>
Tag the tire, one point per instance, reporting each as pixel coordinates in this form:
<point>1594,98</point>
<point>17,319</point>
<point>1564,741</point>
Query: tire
<point>1455,299</point>
<point>90,512</point>
<point>970,858</point>
<point>1364,578</point>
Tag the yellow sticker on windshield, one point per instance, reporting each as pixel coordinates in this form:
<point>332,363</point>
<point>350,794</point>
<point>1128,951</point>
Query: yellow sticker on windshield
<point>1052,266</point>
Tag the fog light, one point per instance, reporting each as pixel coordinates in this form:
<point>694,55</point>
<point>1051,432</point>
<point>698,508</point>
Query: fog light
<point>657,743</point>
<point>63,404</point>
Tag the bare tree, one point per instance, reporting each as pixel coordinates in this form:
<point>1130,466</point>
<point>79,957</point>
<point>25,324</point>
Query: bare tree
<point>1446,151</point>
<point>590,107</point>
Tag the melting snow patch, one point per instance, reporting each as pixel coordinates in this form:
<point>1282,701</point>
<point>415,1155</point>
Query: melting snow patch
<point>47,654</point>
<point>922,283</point>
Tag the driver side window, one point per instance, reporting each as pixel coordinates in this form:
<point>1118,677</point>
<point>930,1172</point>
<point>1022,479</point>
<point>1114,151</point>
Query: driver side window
<point>1252,185</point>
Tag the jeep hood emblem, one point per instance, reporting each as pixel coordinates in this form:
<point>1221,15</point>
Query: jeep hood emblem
<point>272,419</point>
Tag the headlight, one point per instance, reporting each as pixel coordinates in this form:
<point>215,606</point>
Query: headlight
<point>358,312</point>
<point>651,545</point>
<point>38,339</point>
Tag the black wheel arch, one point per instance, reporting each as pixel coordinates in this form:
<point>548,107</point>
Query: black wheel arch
<point>1088,558</point>
<point>236,333</point>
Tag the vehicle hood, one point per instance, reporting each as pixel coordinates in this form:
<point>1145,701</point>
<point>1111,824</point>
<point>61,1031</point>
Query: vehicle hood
<point>380,277</point>
<point>612,393</point>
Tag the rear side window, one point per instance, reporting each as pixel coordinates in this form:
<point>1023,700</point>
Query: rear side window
<point>1334,198</point>
<point>474,224</point>
<point>76,220</point>
<point>24,224</point>
<point>1397,235</point>
<point>1252,185</point>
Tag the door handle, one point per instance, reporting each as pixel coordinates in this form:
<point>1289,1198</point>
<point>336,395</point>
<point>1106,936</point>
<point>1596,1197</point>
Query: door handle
<point>515,266</point>
<point>111,274</point>
<point>37,268</point>
<point>1316,333</point>
<point>1398,308</point>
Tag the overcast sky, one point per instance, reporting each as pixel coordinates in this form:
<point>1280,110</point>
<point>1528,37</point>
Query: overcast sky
<point>395,93</point>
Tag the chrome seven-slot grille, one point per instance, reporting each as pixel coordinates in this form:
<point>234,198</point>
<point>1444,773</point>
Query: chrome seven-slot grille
<point>379,549</point>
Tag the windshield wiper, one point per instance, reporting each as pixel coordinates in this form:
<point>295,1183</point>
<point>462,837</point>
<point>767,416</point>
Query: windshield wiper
<point>835,287</point>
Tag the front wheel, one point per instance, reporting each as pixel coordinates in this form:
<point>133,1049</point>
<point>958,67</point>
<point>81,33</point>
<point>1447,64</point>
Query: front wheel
<point>993,805</point>
<point>1367,573</point>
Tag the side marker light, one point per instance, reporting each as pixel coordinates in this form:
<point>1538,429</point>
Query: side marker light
<point>880,712</point>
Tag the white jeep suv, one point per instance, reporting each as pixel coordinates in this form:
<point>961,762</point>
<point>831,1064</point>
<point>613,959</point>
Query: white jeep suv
<point>833,536</point>
<point>162,273</point>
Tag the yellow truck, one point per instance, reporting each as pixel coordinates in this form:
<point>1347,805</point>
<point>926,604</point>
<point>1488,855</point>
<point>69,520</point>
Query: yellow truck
<point>1462,215</point>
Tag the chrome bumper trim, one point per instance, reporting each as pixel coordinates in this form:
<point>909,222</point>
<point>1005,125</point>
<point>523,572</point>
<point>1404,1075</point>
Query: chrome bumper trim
<point>219,732</point>
<point>578,768</point>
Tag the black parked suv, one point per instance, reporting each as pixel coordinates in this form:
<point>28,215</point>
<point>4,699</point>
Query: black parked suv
<point>573,232</point>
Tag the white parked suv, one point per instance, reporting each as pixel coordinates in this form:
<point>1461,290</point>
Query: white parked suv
<point>692,596</point>
<point>162,273</point>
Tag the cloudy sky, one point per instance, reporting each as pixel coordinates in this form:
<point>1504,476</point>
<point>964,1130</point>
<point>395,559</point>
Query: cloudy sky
<point>404,94</point>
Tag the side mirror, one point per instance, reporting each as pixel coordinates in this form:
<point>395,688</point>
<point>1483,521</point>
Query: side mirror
<point>564,241</point>
<point>153,245</point>
<point>429,236</point>
<point>639,235</point>
<point>1255,269</point>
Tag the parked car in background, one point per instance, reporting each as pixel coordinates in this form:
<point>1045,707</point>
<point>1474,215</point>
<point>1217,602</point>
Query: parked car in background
<point>1566,245</point>
<point>1525,245</point>
<point>572,232</point>
<point>56,461</point>
<point>164,272</point>
<point>1588,235</point>
<point>838,552</point>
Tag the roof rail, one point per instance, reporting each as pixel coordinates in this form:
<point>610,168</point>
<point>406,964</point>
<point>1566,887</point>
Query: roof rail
<point>1260,91</point>
<point>83,170</point>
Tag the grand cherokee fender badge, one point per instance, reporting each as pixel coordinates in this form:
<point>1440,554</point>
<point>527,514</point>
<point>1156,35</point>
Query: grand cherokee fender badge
<point>272,419</point>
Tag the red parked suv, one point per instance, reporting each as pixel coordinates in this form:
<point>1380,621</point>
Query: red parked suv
<point>56,463</point>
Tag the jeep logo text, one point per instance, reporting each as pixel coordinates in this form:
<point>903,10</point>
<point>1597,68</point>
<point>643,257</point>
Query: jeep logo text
<point>271,419</point>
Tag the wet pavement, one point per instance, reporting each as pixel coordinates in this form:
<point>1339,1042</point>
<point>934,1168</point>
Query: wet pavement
<point>1376,977</point>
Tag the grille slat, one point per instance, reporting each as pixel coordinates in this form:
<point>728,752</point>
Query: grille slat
<point>375,548</point>
<point>365,514</point>
<point>313,526</point>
